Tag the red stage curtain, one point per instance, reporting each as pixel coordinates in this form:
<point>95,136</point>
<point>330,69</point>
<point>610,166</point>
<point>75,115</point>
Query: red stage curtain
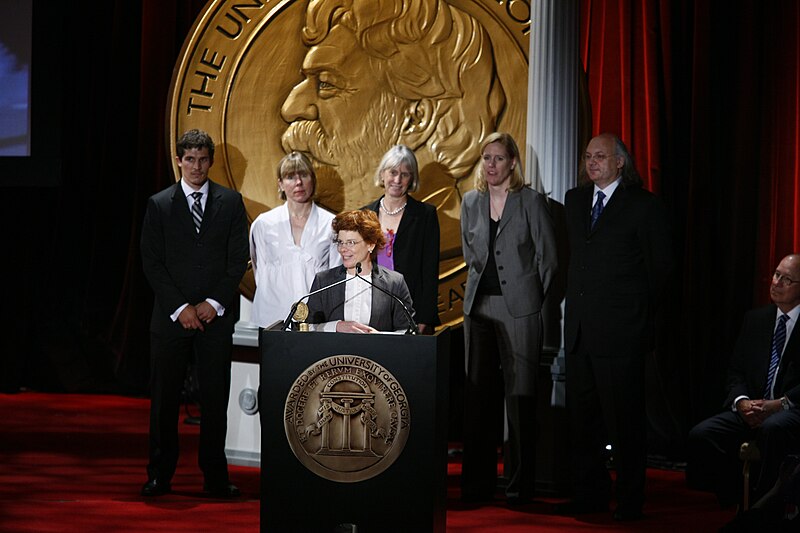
<point>779,171</point>
<point>625,52</point>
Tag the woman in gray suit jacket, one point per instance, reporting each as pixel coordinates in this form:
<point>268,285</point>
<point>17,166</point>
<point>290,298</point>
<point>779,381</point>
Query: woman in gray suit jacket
<point>355,306</point>
<point>510,251</point>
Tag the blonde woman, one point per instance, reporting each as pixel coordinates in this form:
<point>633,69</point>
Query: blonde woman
<point>510,251</point>
<point>290,243</point>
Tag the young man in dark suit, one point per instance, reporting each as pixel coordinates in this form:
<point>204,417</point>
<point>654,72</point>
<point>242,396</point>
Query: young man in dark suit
<point>763,396</point>
<point>620,258</point>
<point>194,253</point>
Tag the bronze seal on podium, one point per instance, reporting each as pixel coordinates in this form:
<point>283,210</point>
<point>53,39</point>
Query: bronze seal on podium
<point>346,418</point>
<point>344,80</point>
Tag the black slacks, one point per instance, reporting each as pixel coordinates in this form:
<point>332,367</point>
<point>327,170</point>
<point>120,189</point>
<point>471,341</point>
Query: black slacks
<point>495,339</point>
<point>713,452</point>
<point>606,405</point>
<point>170,359</point>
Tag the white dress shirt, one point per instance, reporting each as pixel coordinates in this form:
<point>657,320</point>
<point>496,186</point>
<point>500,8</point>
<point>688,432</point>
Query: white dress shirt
<point>608,191</point>
<point>187,192</point>
<point>283,270</point>
<point>357,303</point>
<point>793,315</point>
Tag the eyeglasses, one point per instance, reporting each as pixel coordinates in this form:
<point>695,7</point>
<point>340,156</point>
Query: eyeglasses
<point>393,173</point>
<point>347,245</point>
<point>782,279</point>
<point>597,158</point>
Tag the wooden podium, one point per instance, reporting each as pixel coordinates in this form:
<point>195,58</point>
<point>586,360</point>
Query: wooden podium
<point>353,432</point>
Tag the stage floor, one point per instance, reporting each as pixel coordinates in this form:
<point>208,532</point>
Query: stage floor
<point>76,462</point>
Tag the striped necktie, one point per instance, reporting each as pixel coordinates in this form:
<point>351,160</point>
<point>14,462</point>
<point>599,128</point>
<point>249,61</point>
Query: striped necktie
<point>598,207</point>
<point>778,339</point>
<point>197,211</point>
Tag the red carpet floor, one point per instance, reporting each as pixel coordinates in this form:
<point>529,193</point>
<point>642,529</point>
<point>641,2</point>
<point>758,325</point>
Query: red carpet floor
<point>73,462</point>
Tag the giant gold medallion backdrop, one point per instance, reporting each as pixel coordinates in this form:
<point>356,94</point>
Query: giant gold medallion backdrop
<point>344,80</point>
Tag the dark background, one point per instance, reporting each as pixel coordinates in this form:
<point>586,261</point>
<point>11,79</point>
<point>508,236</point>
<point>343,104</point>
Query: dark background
<point>712,122</point>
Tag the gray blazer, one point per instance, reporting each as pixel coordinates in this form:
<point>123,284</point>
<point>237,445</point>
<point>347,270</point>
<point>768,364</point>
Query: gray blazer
<point>525,248</point>
<point>387,314</point>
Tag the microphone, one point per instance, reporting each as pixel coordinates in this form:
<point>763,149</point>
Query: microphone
<point>412,326</point>
<point>312,293</point>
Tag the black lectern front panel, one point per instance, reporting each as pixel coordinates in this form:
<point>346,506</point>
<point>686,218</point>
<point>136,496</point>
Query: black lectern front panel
<point>353,432</point>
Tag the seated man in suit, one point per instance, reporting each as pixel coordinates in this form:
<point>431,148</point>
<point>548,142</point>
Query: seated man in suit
<point>763,402</point>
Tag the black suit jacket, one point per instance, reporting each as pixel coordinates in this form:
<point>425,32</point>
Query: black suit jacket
<point>416,256</point>
<point>616,270</point>
<point>184,266</point>
<point>387,314</point>
<point>747,375</point>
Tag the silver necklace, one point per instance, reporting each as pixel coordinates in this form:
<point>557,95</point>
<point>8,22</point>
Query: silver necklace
<point>396,211</point>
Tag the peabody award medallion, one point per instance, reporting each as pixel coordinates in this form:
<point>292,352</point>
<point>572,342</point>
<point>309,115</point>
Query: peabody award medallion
<point>301,313</point>
<point>346,80</point>
<point>346,418</point>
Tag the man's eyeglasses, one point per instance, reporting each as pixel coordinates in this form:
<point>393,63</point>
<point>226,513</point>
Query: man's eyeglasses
<point>347,245</point>
<point>597,158</point>
<point>782,279</point>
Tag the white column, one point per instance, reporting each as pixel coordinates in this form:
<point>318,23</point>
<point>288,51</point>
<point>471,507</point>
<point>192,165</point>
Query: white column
<point>243,440</point>
<point>245,333</point>
<point>552,133</point>
<point>554,65</point>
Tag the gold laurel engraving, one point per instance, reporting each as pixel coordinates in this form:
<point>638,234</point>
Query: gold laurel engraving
<point>264,77</point>
<point>346,418</point>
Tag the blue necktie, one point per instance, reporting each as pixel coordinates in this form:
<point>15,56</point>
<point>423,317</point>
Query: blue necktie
<point>197,210</point>
<point>598,208</point>
<point>778,339</point>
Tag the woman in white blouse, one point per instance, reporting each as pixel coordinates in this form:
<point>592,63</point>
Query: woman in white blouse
<point>290,243</point>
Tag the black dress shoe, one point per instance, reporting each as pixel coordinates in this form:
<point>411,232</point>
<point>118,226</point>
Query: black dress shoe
<point>224,490</point>
<point>155,487</point>
<point>576,507</point>
<point>627,514</point>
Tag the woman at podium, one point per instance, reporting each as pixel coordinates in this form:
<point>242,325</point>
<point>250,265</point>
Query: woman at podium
<point>350,299</point>
<point>290,243</point>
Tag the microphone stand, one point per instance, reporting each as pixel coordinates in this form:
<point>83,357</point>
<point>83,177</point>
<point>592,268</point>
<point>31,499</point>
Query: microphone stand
<point>312,293</point>
<point>412,326</point>
<point>291,314</point>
